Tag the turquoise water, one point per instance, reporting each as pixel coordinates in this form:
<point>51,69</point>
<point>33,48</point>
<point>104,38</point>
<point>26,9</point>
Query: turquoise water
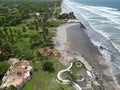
<point>102,20</point>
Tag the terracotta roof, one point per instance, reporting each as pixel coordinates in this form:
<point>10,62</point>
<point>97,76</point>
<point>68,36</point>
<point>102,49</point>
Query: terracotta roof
<point>55,52</point>
<point>40,30</point>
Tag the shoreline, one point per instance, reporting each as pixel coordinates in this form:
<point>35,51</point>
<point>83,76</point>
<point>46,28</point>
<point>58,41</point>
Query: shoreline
<point>63,40</point>
<point>102,63</point>
<point>110,53</point>
<point>90,53</point>
<point>65,37</point>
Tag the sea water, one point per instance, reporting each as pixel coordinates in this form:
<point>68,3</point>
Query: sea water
<point>102,20</point>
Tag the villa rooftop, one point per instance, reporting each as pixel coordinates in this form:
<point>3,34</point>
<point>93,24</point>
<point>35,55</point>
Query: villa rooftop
<point>17,74</point>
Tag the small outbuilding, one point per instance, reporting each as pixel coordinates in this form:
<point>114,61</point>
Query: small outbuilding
<point>40,30</point>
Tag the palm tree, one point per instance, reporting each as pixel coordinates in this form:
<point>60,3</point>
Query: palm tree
<point>36,24</point>
<point>24,29</point>
<point>1,33</point>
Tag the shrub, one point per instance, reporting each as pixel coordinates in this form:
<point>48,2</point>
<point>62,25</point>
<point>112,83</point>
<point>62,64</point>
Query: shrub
<point>48,66</point>
<point>10,88</point>
<point>27,55</point>
<point>53,23</point>
<point>3,67</point>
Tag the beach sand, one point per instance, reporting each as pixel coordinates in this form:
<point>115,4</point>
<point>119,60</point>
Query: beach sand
<point>71,38</point>
<point>61,43</point>
<point>80,42</point>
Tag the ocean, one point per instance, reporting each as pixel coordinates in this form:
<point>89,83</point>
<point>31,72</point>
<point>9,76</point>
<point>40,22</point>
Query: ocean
<point>102,20</point>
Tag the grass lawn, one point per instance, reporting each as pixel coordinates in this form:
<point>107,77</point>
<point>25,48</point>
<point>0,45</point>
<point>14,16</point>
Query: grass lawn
<point>73,74</point>
<point>94,87</point>
<point>77,69</point>
<point>42,80</point>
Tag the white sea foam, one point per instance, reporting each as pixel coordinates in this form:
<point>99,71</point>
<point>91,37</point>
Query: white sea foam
<point>117,27</point>
<point>103,13</point>
<point>103,28</point>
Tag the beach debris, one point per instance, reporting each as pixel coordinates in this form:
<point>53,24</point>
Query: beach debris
<point>101,47</point>
<point>82,26</point>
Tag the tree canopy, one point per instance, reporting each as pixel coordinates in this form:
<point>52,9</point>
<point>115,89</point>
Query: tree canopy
<point>10,88</point>
<point>48,66</point>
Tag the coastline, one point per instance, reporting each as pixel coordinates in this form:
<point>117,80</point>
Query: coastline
<point>80,42</point>
<point>102,34</point>
<point>65,35</point>
<point>70,38</point>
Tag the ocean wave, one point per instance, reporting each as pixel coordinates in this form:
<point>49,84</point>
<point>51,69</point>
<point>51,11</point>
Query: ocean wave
<point>103,12</point>
<point>99,24</point>
<point>103,28</point>
<point>117,27</point>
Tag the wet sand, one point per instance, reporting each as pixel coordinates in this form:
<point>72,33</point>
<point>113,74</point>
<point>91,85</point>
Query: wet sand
<point>80,42</point>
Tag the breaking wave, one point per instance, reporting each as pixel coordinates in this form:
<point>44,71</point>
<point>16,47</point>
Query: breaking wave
<point>103,28</point>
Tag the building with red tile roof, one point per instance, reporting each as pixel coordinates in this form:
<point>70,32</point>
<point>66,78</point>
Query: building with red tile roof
<point>40,30</point>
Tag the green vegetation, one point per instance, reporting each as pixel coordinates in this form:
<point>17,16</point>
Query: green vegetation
<point>24,33</point>
<point>18,36</point>
<point>48,66</point>
<point>45,80</point>
<point>74,73</point>
<point>78,76</point>
<point>76,69</point>
<point>3,68</point>
<point>67,16</point>
<point>78,64</point>
<point>63,87</point>
<point>10,88</point>
<point>54,23</point>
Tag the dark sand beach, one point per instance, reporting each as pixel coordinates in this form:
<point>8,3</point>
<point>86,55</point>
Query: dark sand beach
<point>80,42</point>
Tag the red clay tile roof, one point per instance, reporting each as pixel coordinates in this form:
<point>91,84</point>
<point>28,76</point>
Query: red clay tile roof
<point>40,30</point>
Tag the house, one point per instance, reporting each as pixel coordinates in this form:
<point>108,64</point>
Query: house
<point>55,52</point>
<point>40,30</point>
<point>18,73</point>
<point>37,14</point>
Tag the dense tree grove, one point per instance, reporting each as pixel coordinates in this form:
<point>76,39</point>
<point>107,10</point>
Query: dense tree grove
<point>16,17</point>
<point>67,16</point>
<point>19,26</point>
<point>14,12</point>
<point>8,36</point>
<point>26,27</point>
